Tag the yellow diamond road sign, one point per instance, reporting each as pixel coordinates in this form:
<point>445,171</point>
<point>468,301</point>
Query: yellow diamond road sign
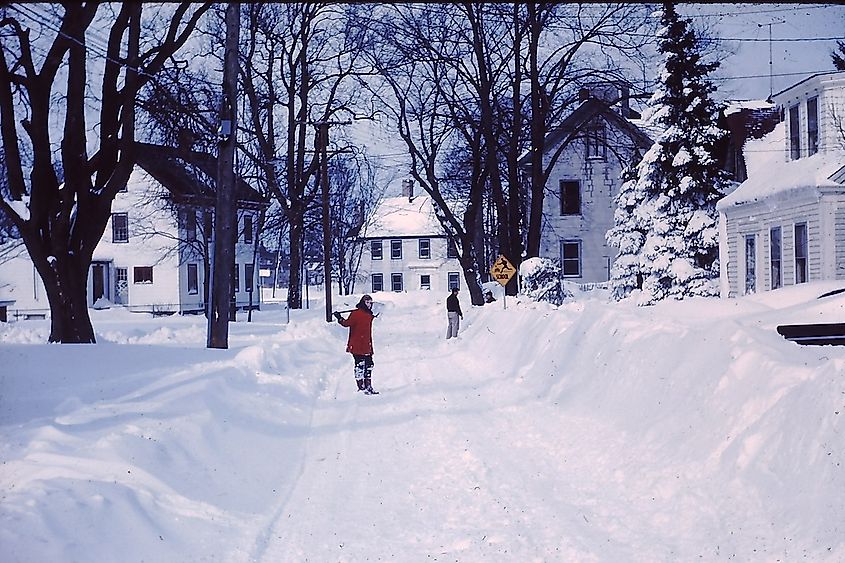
<point>502,270</point>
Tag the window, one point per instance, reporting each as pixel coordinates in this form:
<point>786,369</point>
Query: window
<point>193,279</point>
<point>248,229</point>
<point>377,282</point>
<point>249,277</point>
<point>801,253</point>
<point>570,197</point>
<point>451,249</point>
<point>396,282</point>
<point>794,134</point>
<point>120,227</point>
<point>596,144</point>
<point>208,225</point>
<point>774,248</point>
<point>191,225</point>
<point>375,250</point>
<point>750,264</point>
<point>570,253</point>
<point>236,279</point>
<point>425,248</point>
<point>454,280</point>
<point>812,126</point>
<point>396,250</point>
<point>143,274</point>
<point>425,281</point>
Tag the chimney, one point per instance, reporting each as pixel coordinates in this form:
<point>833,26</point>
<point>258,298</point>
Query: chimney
<point>408,189</point>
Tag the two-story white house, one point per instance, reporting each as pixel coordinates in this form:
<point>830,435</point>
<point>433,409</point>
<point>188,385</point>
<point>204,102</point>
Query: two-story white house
<point>405,247</point>
<point>591,147</point>
<point>785,224</point>
<point>153,254</point>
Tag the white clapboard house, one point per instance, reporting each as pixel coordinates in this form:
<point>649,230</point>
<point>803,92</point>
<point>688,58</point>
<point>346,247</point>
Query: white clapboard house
<point>405,247</point>
<point>152,254</point>
<point>785,224</point>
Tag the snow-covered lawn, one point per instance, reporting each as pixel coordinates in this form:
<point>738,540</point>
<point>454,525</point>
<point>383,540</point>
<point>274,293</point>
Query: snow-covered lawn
<point>592,431</point>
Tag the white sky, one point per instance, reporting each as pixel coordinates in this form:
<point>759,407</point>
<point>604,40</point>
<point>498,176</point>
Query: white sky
<point>744,28</point>
<point>595,431</point>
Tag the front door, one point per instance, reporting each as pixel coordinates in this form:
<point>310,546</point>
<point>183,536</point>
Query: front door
<point>100,284</point>
<point>121,286</point>
<point>750,264</point>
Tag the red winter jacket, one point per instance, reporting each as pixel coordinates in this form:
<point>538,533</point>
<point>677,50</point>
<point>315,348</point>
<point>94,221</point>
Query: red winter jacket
<point>360,323</point>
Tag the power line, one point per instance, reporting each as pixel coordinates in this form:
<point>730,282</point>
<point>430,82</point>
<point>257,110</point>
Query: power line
<point>771,11</point>
<point>781,40</point>
<point>806,73</point>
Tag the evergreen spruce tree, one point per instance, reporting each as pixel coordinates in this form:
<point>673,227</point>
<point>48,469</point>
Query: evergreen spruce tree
<point>672,202</point>
<point>627,235</point>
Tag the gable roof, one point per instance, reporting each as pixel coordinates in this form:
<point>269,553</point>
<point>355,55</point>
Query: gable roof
<point>581,116</point>
<point>403,217</point>
<point>189,176</point>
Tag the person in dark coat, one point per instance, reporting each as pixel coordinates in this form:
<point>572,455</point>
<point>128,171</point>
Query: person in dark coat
<point>360,343</point>
<point>453,311</point>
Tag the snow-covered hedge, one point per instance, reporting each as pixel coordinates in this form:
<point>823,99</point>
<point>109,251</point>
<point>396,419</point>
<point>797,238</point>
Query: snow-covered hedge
<point>541,280</point>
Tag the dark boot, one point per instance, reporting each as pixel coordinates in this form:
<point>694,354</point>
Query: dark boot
<point>368,387</point>
<point>360,383</point>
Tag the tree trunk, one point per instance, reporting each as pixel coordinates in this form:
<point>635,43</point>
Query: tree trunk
<point>295,281</point>
<point>538,134</point>
<point>67,295</point>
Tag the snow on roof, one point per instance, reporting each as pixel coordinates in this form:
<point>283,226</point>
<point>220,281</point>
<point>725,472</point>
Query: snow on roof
<point>398,217</point>
<point>770,175</point>
<point>768,150</point>
<point>648,126</point>
<point>736,106</point>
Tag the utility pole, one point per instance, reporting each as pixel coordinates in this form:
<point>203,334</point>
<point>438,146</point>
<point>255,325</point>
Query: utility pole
<point>322,142</point>
<point>225,220</point>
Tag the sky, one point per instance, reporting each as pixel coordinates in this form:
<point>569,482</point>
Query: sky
<point>594,431</point>
<point>796,51</point>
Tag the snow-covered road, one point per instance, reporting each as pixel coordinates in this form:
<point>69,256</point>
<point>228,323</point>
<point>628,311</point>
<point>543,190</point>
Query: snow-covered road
<point>450,460</point>
<point>589,432</point>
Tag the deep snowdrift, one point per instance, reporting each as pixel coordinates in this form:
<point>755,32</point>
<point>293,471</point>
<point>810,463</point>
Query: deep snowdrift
<point>593,431</point>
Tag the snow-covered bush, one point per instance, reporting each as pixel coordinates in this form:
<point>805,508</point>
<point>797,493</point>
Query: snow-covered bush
<point>541,280</point>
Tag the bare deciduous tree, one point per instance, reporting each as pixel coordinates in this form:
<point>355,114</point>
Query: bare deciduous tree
<point>65,220</point>
<point>493,79</point>
<point>295,69</point>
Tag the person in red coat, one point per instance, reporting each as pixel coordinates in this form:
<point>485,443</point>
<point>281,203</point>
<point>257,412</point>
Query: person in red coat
<point>360,343</point>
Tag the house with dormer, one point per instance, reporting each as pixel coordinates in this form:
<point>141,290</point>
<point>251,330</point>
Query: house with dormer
<point>591,146</point>
<point>406,249</point>
<point>785,224</point>
<point>153,256</point>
